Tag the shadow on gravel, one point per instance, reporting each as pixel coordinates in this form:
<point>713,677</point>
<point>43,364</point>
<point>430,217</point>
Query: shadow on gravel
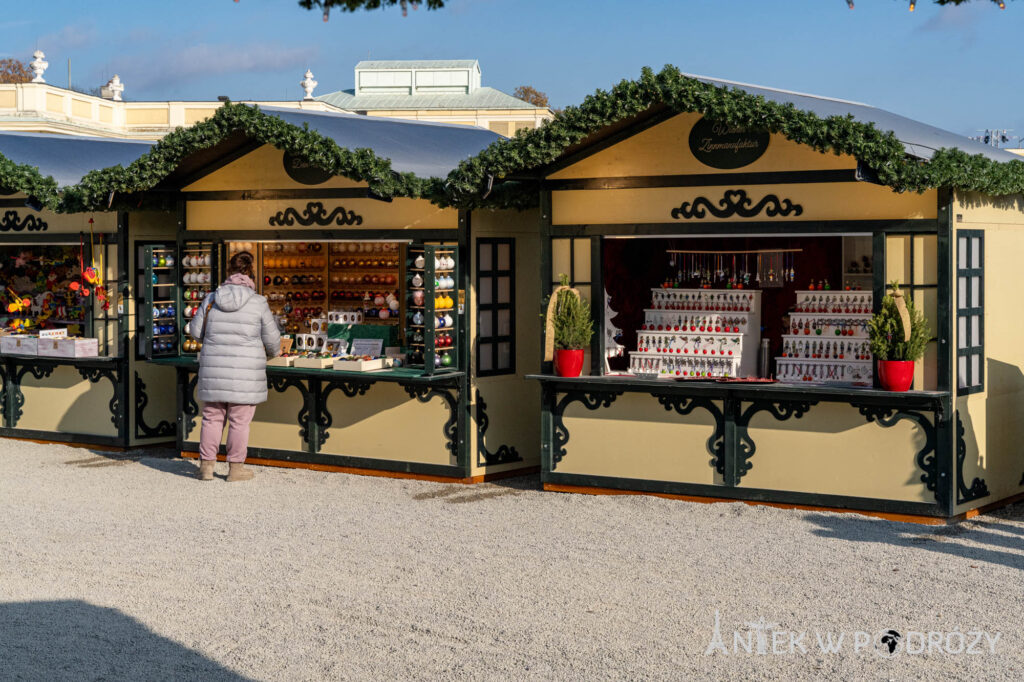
<point>171,465</point>
<point>461,493</point>
<point>74,640</point>
<point>942,539</point>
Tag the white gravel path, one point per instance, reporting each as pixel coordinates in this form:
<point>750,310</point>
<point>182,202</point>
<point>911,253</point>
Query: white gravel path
<point>124,567</point>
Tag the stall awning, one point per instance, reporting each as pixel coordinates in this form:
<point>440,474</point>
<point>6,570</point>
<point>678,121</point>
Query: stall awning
<point>429,150</point>
<point>920,139</point>
<point>67,158</point>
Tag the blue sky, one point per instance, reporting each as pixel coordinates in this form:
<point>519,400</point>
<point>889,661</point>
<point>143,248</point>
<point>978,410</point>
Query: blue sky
<point>953,67</point>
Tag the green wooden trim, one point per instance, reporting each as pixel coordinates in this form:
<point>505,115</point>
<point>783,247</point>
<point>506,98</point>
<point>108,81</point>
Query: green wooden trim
<point>745,494</point>
<point>725,228</point>
<point>450,471</point>
<point>705,180</point>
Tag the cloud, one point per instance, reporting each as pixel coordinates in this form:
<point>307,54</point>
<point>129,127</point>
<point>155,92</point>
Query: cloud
<point>173,65</point>
<point>71,37</point>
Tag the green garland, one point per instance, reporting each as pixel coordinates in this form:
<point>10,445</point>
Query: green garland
<point>493,177</point>
<point>532,150</point>
<point>129,183</point>
<point>147,171</point>
<point>15,177</point>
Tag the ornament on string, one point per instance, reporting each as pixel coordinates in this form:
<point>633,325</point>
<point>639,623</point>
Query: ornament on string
<point>17,303</point>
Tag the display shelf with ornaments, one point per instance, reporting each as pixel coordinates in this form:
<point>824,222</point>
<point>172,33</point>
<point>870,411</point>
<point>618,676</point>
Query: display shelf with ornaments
<point>828,339</point>
<point>432,316</point>
<point>693,333</point>
<point>199,269</point>
<point>294,278</point>
<point>366,276</point>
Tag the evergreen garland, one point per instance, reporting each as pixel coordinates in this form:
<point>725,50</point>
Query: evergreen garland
<point>146,172</point>
<point>531,150</point>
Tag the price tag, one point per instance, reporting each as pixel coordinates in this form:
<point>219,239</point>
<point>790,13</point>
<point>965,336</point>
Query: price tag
<point>371,347</point>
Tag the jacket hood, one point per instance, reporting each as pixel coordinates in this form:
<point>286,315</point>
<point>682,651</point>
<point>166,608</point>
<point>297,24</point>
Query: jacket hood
<point>234,293</point>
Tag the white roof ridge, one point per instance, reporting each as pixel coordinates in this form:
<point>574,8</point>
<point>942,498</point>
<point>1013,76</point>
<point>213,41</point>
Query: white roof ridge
<point>786,92</point>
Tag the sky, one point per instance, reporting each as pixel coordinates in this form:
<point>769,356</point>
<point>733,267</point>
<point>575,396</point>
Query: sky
<point>954,67</point>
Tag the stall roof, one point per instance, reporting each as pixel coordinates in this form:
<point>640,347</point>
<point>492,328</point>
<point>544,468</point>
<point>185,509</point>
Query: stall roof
<point>428,150</point>
<point>67,158</point>
<point>920,139</point>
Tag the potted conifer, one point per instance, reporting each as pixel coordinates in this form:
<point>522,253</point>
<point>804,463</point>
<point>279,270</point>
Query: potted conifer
<point>569,329</point>
<point>898,334</point>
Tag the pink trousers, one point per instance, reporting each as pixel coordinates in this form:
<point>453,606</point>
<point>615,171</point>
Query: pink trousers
<point>238,417</point>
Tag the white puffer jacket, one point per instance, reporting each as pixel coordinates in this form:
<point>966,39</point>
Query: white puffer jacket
<point>241,334</point>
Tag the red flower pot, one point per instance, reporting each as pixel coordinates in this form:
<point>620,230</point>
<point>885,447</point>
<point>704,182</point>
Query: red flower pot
<point>568,363</point>
<point>896,375</point>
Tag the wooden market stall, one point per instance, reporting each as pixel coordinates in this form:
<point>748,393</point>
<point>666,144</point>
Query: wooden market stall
<point>764,226</point>
<point>76,389</point>
<point>367,246</point>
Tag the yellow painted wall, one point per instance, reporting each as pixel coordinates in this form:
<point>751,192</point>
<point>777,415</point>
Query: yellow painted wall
<point>8,99</point>
<point>147,116</point>
<point>194,115</point>
<point>54,103</point>
<point>638,438</point>
<point>834,450</point>
<point>993,420</point>
<point>819,201</point>
<point>67,403</point>
<point>70,223</point>
<point>513,404</point>
<point>262,168</point>
<point>161,393</point>
<point>81,108</point>
<point>386,423</point>
<point>664,150</point>
<point>400,214</point>
<point>106,114</point>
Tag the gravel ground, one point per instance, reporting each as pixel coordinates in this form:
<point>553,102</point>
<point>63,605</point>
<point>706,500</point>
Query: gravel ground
<point>122,566</point>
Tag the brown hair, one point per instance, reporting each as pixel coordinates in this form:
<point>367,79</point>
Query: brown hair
<point>241,263</point>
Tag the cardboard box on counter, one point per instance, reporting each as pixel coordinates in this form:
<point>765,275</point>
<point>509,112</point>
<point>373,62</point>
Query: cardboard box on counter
<point>69,348</point>
<point>19,345</point>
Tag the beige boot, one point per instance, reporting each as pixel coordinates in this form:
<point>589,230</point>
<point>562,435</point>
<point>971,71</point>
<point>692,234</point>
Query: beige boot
<point>238,472</point>
<point>205,472</point>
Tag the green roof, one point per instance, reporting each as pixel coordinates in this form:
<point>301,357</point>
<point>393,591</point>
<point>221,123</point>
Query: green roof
<point>481,98</point>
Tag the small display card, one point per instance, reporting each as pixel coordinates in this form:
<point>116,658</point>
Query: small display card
<point>371,347</point>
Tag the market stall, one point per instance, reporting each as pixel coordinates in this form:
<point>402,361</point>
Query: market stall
<point>369,279</point>
<point>64,319</point>
<point>733,272</point>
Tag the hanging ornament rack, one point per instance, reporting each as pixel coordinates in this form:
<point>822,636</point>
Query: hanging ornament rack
<point>752,268</point>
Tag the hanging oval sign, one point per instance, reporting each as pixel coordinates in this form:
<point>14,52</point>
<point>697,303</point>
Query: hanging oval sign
<point>721,145</point>
<point>303,172</point>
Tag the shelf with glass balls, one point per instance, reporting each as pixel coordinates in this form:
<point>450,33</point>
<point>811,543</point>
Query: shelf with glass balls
<point>364,277</point>
<point>698,333</point>
<point>827,341</point>
<point>196,284</point>
<point>293,279</point>
<point>160,312</point>
<point>432,317</point>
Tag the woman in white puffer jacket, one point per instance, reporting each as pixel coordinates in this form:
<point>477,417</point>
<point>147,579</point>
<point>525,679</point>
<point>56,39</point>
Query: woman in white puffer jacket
<point>239,333</point>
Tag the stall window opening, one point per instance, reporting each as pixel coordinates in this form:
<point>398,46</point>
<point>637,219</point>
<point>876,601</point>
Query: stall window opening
<point>970,311</point>
<point>495,285</point>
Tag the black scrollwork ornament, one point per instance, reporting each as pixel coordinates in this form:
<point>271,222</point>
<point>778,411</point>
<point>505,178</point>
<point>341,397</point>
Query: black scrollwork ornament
<point>12,222</point>
<point>978,487</point>
<point>315,214</point>
<point>716,441</point>
<point>504,454</point>
<point>925,458</point>
<point>735,202</point>
<point>781,410</point>
<point>591,401</point>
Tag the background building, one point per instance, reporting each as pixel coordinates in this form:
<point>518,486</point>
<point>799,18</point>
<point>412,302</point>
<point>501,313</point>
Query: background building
<point>447,91</point>
<point>442,91</point>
